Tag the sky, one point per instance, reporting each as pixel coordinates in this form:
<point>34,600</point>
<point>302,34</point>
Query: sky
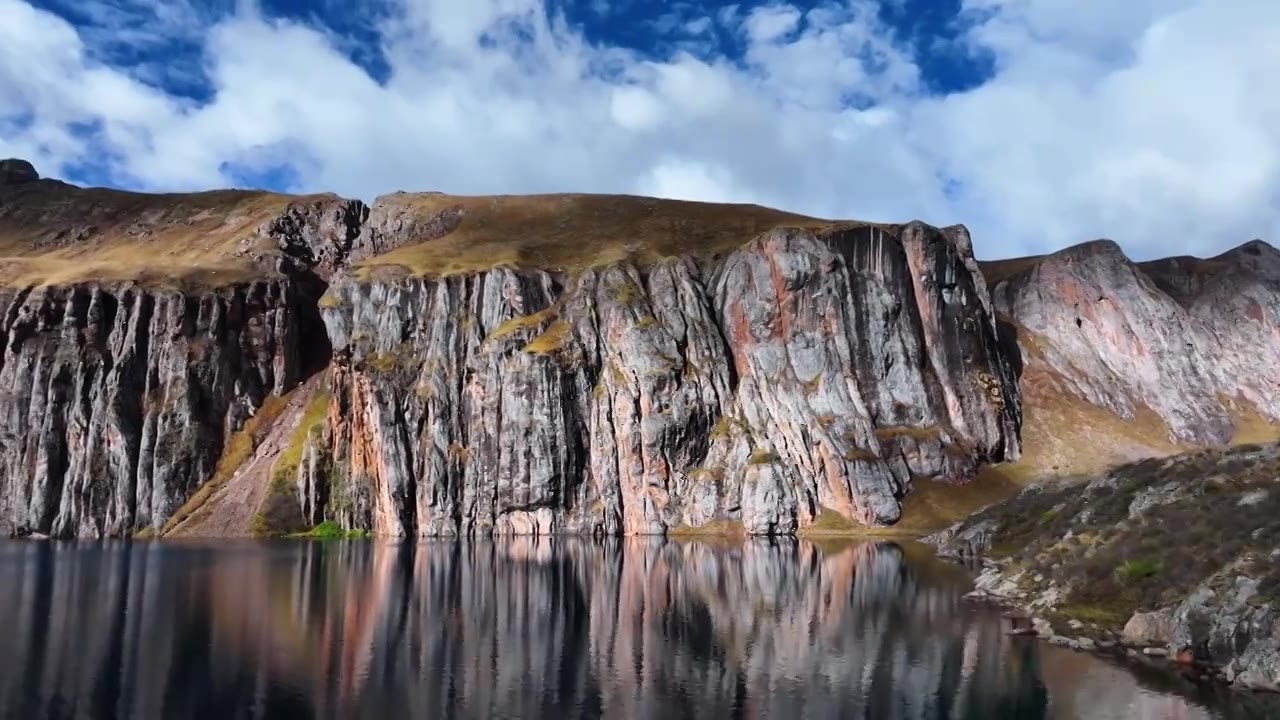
<point>1036,123</point>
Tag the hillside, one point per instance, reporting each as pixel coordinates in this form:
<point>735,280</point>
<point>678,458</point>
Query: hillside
<point>1178,555</point>
<point>1117,360</point>
<point>55,233</point>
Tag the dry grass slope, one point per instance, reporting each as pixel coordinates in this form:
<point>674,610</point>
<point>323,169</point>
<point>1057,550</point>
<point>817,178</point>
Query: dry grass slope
<point>238,449</point>
<point>53,233</point>
<point>571,232</point>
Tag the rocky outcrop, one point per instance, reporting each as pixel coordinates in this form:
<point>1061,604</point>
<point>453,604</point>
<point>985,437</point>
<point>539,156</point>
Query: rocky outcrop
<point>801,374</point>
<point>1177,558</point>
<point>14,171</point>
<point>1192,342</point>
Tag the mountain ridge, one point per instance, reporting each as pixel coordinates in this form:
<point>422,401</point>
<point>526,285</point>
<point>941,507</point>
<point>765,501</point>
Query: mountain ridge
<point>859,361</point>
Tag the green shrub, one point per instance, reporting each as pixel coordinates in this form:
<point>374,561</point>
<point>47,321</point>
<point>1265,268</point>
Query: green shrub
<point>1138,570</point>
<point>331,530</point>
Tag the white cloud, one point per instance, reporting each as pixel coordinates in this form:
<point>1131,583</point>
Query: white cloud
<point>1149,121</point>
<point>771,23</point>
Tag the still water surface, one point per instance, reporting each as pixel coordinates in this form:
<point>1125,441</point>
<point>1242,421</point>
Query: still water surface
<point>550,628</point>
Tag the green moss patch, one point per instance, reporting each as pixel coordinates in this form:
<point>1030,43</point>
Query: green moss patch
<point>280,514</point>
<point>330,530</point>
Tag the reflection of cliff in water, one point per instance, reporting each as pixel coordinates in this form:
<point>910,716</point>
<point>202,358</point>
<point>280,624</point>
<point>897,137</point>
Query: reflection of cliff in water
<point>556,628</point>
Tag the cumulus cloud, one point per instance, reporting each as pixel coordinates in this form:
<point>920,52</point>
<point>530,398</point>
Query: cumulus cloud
<point>1148,121</point>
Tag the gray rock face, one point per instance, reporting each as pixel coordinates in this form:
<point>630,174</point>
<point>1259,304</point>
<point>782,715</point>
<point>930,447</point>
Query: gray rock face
<point>1227,622</point>
<point>14,171</point>
<point>316,235</point>
<point>803,373</point>
<point>117,398</point>
<point>1185,338</point>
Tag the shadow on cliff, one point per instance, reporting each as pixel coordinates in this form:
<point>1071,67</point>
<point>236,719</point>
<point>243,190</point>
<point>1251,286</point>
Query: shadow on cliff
<point>315,350</point>
<point>1007,339</point>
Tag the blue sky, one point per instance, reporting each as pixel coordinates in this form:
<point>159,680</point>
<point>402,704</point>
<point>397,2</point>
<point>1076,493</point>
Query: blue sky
<point>1037,123</point>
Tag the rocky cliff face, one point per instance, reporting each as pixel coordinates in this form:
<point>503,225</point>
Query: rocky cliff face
<point>582,363</point>
<point>1183,350</point>
<point>803,373</point>
<point>119,387</point>
<point>117,398</point>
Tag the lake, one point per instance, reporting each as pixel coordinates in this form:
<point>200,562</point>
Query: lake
<point>535,628</point>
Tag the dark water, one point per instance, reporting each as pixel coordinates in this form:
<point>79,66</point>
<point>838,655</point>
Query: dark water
<point>551,628</point>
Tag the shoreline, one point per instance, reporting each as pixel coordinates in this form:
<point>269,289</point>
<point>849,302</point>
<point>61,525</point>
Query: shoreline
<point>993,587</point>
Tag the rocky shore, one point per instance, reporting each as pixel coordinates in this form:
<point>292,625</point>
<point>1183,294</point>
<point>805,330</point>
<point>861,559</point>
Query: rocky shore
<point>1174,560</point>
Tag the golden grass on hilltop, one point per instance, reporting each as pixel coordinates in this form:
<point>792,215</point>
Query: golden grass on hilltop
<point>576,232</point>
<point>52,233</point>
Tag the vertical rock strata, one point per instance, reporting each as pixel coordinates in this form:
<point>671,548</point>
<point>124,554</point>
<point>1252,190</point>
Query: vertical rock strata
<point>117,398</point>
<point>137,332</point>
<point>802,374</point>
<point>700,373</point>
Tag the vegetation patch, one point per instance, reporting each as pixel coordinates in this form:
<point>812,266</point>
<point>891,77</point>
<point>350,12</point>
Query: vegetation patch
<point>725,426</point>
<point>932,505</point>
<point>707,474</point>
<point>722,528</point>
<point>525,323</point>
<point>918,433</point>
<point>280,514</point>
<point>330,530</point>
<point>763,457</point>
<point>829,520</point>
<point>647,322</point>
<point>459,452</point>
<point>400,356</point>
<point>860,455</point>
<point>552,340</point>
<point>1148,533</point>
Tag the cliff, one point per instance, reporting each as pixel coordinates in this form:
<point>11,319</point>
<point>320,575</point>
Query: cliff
<point>509,364</point>
<point>689,366</point>
<point>1137,360</point>
<point>138,333</point>
<point>580,363</point>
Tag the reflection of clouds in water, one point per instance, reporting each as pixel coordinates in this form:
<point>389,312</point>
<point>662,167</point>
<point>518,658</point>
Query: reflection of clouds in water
<point>557,628</point>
